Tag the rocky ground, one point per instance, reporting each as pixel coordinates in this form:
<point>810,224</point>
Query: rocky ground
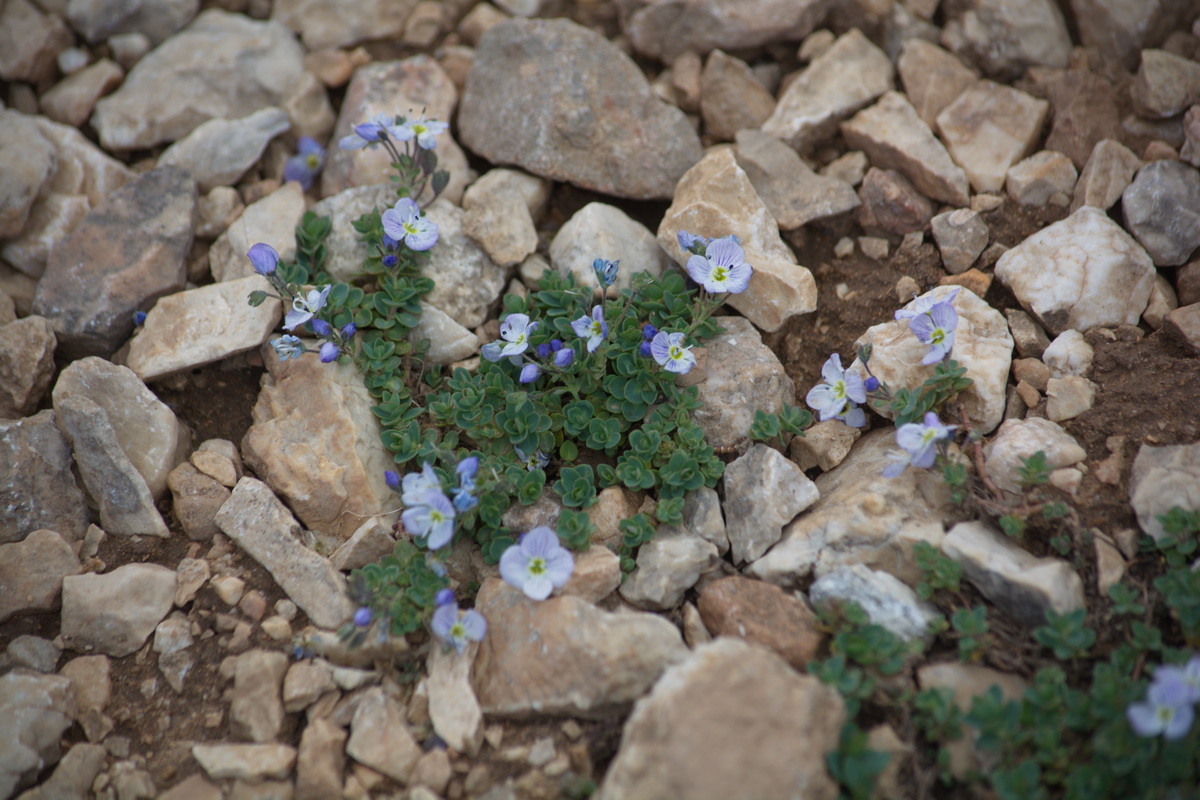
<point>178,509</point>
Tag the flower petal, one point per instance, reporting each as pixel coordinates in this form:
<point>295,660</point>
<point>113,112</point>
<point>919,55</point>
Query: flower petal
<point>540,542</point>
<point>443,620</point>
<point>831,371</point>
<point>514,565</point>
<point>474,625</point>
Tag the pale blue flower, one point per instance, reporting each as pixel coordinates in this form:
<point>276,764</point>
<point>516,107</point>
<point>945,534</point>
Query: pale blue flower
<point>690,242</point>
<point>722,268</point>
<point>919,444</point>
<point>606,271</point>
<point>516,330</point>
<point>936,329</point>
<point>668,350</point>
<point>425,131</point>
<point>593,328</point>
<point>264,258</point>
<point>535,460</point>
<point>1188,675</point>
<point>306,164</point>
<point>403,221</point>
<point>416,484</point>
<point>288,346</point>
<point>432,518</point>
<point>835,398</point>
<point>464,497</point>
<point>303,308</point>
<point>455,630</point>
<point>1167,710</point>
<point>923,304</point>
<point>538,564</point>
<point>491,351</point>
<point>367,134</point>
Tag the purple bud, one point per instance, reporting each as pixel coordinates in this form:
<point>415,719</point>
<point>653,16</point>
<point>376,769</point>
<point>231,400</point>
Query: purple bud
<point>264,258</point>
<point>556,345</point>
<point>389,242</point>
<point>363,617</point>
<point>543,351</point>
<point>444,597</point>
<point>348,330</point>
<point>329,351</point>
<point>139,318</point>
<point>392,478</point>
<point>530,373</point>
<point>645,349</point>
<point>871,383</point>
<point>564,357</point>
<point>320,327</point>
<point>370,131</point>
<point>390,260</point>
<point>649,331</point>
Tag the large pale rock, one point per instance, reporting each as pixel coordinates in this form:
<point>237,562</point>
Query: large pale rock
<point>742,375</point>
<point>116,612</point>
<point>666,30</point>
<point>29,162</point>
<point>504,229</point>
<point>97,20</point>
<point>1166,84</point>
<point>30,42</point>
<point>1018,439</point>
<point>323,24</point>
<point>320,761</point>
<point>32,572</point>
<point>1109,169</point>
<point>37,487</point>
<point>1162,211</point>
<point>1022,586</point>
<point>251,762</point>
<point>731,98</point>
<point>453,709</point>
<point>72,99</point>
<point>599,230</point>
<point>762,614</point>
<point>26,365</point>
<point>607,131</point>
<point>1003,37</point>
<point>1045,177</point>
<point>112,479</point>
<point>844,78</point>
<point>982,344</point>
<point>466,281</point>
<point>932,77</point>
<point>1068,354</point>
<point>763,492</point>
<point>36,710</point>
<point>894,136</point>
<point>1163,478</point>
<point>271,220</point>
<point>712,726</point>
<point>414,86</point>
<point>222,66</point>
<point>448,341</point>
<point>256,709</point>
<point>316,442</point>
<point>218,152</point>
<point>988,128</point>
<point>150,435</point>
<point>887,601</point>
<point>862,518</point>
<point>1080,272</point>
<point>200,326</point>
<point>565,656</point>
<point>667,566</point>
<point>791,191</point>
<point>379,737</point>
<point>715,198</point>
<point>126,253</point>
<point>195,500</point>
<point>261,525</point>
<point>345,251</point>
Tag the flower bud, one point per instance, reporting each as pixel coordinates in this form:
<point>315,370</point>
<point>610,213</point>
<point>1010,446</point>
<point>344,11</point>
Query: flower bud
<point>320,326</point>
<point>871,383</point>
<point>363,617</point>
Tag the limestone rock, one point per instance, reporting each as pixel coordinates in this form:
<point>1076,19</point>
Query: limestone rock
<point>218,152</point>
<point>30,42</point>
<point>967,682</point>
<point>677,742</point>
<point>824,445</point>
<point>116,612</point>
<point>72,99</point>
<point>26,365</point>
<point>764,615</point>
<point>961,235</point>
<point>791,191</point>
<point>252,762</point>
<point>320,761</point>
<point>742,376</point>
<point>599,230</point>
<point>150,435</point>
<point>504,229</point>
<point>39,489</point>
<point>763,492</point>
<point>843,79</point>
<point>322,24</point>
<point>1109,170</point>
<point>597,574</point>
<point>667,566</point>
<point>97,20</point>
<point>453,709</point>
<point>29,162</point>
<point>1162,478</point>
<point>1080,272</point>
<point>1068,354</point>
<point>467,281</point>
<point>369,543</point>
<point>891,205</point>
<point>271,220</point>
<point>222,66</point>
<point>256,710</point>
<point>982,344</point>
<point>379,738</point>
<point>1119,29</point>
<point>731,98</point>
<point>260,524</point>
<point>715,198</point>
<point>932,77</point>
<point>37,709</point>
<point>862,518</point>
<point>1022,586</point>
<point>127,252</point>
<point>667,30</point>
<point>1166,84</point>
<point>196,499</point>
<point>1162,211</point>
<point>32,572</point>
<point>1068,397</point>
<point>894,136</point>
<point>887,601</point>
<point>988,128</point>
<point>1003,37</point>
<point>1183,325</point>
<point>1019,439</point>
<point>1044,177</point>
<point>565,656</point>
<point>607,132</point>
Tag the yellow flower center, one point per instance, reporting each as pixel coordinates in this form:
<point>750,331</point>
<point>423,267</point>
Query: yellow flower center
<point>537,566</point>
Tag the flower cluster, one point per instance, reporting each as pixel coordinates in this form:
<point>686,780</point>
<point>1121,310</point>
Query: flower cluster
<point>933,322</point>
<point>1169,707</point>
<point>429,513</point>
<point>305,307</point>
<point>838,397</point>
<point>919,444</point>
<point>456,628</point>
<point>381,128</point>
